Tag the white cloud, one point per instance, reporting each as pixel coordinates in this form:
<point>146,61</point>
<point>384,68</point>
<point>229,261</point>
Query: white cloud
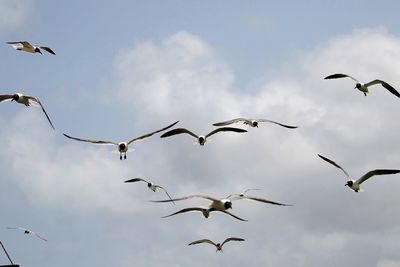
<point>181,77</point>
<point>14,13</point>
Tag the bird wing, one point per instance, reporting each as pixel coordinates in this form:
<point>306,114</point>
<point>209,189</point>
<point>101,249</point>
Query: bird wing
<point>159,186</point>
<point>340,75</point>
<point>232,239</point>
<point>280,124</point>
<point>264,200</point>
<point>178,131</point>
<point>334,164</point>
<point>26,44</point>
<point>183,198</point>
<point>13,42</point>
<point>185,210</point>
<point>385,85</point>
<point>375,172</point>
<point>44,239</point>
<point>47,49</point>
<point>5,98</point>
<point>91,141</point>
<point>234,216</point>
<point>226,129</point>
<point>19,228</point>
<point>135,180</point>
<point>250,189</point>
<point>23,43</point>
<point>202,241</point>
<point>35,101</point>
<point>223,123</point>
<point>150,134</point>
<point>237,196</point>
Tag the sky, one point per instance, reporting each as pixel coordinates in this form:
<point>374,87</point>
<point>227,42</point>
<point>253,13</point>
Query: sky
<point>126,68</point>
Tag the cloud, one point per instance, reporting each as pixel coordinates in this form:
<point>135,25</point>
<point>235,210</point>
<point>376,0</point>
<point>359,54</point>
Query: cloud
<point>14,13</point>
<point>182,77</point>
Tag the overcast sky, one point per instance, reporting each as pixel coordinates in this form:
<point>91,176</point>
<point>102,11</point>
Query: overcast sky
<point>125,68</point>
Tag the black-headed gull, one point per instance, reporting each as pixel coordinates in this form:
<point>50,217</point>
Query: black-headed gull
<point>216,205</point>
<point>27,101</point>
<point>205,211</point>
<point>27,232</point>
<point>363,87</point>
<point>122,146</point>
<point>201,138</point>
<point>150,185</point>
<point>218,245</point>
<point>252,122</point>
<point>355,184</point>
<point>27,47</point>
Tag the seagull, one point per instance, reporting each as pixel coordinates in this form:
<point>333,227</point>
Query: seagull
<point>244,192</point>
<point>27,47</point>
<point>244,196</point>
<point>364,87</point>
<point>201,138</point>
<point>122,146</point>
<point>218,245</point>
<point>27,101</point>
<point>252,122</point>
<point>205,211</point>
<point>151,186</point>
<point>216,205</point>
<point>355,184</point>
<point>27,231</point>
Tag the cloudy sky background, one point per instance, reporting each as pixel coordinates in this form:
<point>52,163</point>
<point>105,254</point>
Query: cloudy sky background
<point>126,68</point>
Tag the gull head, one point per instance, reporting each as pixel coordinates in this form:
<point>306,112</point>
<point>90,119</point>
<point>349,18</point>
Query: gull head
<point>151,186</point>
<point>202,140</point>
<point>37,50</point>
<point>15,97</point>
<point>254,123</point>
<point>358,86</point>
<point>349,183</point>
<point>227,204</point>
<point>122,147</point>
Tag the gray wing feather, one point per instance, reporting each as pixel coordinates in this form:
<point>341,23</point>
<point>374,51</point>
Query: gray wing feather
<point>334,164</point>
<point>226,129</point>
<point>375,172</point>
<point>223,123</point>
<point>183,198</point>
<point>202,241</point>
<point>184,210</point>
<point>232,239</point>
<point>159,186</point>
<point>178,131</point>
<point>47,49</point>
<point>150,134</point>
<point>265,201</point>
<point>91,141</point>
<point>36,100</point>
<point>234,216</point>
<point>135,180</point>
<point>280,124</point>
<point>340,75</point>
<point>385,85</point>
<point>5,97</point>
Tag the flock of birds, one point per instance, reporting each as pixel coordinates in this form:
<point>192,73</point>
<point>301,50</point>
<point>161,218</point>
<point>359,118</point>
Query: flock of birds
<point>217,205</point>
